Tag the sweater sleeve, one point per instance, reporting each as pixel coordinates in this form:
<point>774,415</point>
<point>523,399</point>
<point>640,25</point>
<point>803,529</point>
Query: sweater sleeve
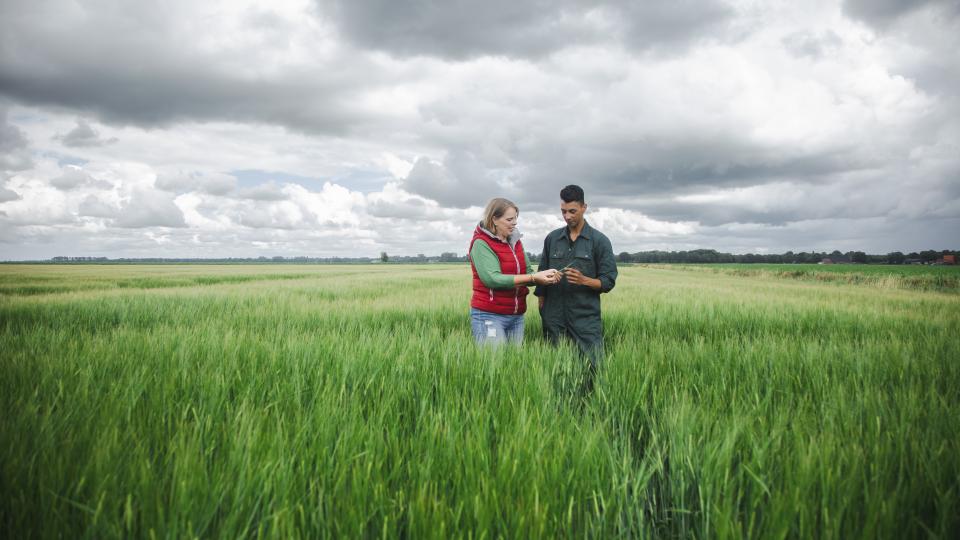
<point>488,267</point>
<point>541,290</point>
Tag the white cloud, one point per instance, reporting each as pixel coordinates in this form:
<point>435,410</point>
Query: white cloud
<point>274,215</point>
<point>72,177</point>
<point>397,166</point>
<point>213,183</point>
<point>149,208</point>
<point>269,191</point>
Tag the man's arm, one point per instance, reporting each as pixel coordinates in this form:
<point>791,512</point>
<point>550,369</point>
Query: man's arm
<point>607,266</point>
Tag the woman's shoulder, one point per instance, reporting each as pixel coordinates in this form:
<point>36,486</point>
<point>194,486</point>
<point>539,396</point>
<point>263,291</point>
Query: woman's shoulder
<point>480,245</point>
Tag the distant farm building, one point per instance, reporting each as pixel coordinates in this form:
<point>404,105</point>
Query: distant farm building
<point>826,261</point>
<point>949,259</point>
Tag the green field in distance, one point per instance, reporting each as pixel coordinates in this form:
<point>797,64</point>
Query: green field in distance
<point>943,278</point>
<point>316,401</point>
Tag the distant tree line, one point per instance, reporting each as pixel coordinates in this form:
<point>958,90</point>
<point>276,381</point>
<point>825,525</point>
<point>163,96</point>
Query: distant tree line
<point>695,256</point>
<point>211,260</point>
<point>804,257</point>
<point>383,258</point>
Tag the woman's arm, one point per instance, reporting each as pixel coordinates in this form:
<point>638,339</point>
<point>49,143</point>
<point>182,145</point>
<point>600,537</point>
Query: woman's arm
<point>488,269</point>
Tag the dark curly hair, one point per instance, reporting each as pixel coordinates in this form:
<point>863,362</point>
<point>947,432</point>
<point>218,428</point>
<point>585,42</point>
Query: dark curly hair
<point>572,193</point>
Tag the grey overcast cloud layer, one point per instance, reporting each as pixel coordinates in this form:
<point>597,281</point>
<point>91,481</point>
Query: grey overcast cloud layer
<point>347,128</point>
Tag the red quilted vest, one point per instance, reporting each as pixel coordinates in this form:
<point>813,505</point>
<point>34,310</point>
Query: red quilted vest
<point>501,301</point>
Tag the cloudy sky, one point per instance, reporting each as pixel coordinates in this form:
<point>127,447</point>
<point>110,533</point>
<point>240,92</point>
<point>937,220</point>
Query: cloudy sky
<point>326,127</point>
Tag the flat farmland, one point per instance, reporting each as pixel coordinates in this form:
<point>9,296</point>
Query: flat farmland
<point>912,277</point>
<point>287,401</point>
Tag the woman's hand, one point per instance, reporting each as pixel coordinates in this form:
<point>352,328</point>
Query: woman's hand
<point>546,277</point>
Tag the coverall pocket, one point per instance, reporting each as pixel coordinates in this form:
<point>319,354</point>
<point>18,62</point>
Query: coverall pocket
<point>585,264</point>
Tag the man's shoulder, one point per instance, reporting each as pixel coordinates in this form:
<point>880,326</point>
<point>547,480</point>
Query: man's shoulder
<point>598,236</point>
<point>555,234</point>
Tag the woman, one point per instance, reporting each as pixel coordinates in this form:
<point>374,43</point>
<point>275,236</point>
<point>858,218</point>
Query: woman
<point>501,273</point>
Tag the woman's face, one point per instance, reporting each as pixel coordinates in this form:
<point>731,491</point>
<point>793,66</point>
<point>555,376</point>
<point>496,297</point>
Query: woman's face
<point>505,224</point>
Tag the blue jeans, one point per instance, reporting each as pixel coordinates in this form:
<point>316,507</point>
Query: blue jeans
<point>495,329</point>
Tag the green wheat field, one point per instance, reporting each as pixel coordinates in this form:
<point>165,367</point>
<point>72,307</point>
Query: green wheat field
<point>350,401</point>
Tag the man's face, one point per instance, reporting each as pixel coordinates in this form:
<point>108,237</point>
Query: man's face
<point>572,213</point>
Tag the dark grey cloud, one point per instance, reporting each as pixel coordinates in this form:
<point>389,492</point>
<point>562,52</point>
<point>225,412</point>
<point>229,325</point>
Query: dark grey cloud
<point>934,38</point>
<point>411,208</point>
<point>14,151</point>
<point>84,135</point>
<point>93,206</point>
<point>8,195</point>
<point>879,235</point>
<point>133,68</point>
<point>11,137</point>
<point>462,179</point>
<point>460,29</point>
<point>9,235</point>
<point>664,24</point>
<point>881,13</point>
<point>464,29</point>
<point>931,28</point>
<point>126,95</point>
<point>679,166</point>
<point>938,74</point>
<point>933,194</point>
<point>624,166</point>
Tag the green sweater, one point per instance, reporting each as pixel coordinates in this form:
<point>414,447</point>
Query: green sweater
<point>488,267</point>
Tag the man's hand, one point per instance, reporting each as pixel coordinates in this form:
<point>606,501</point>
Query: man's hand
<point>576,277</point>
<point>541,300</point>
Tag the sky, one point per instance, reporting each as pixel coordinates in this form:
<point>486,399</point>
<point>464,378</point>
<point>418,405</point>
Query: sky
<point>349,128</point>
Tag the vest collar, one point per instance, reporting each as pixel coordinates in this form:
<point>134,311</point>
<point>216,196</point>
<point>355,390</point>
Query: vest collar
<point>512,239</point>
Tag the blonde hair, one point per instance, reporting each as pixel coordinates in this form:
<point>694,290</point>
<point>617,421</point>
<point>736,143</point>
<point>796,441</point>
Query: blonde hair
<point>495,210</point>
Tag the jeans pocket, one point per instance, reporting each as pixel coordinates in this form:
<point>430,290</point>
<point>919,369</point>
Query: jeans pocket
<point>487,327</point>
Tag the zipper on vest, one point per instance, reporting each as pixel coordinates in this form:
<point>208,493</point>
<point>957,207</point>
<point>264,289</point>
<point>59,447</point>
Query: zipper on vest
<point>516,291</point>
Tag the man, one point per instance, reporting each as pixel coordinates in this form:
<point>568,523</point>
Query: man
<point>571,308</point>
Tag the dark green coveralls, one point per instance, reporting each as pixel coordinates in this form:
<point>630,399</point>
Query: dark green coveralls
<point>574,310</point>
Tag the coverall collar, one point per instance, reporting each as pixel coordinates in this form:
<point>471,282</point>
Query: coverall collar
<point>584,232</point>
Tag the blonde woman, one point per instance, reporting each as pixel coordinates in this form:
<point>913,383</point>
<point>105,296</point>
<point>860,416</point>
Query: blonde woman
<point>501,274</point>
